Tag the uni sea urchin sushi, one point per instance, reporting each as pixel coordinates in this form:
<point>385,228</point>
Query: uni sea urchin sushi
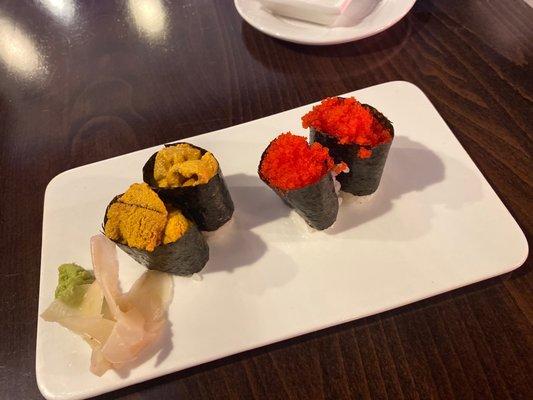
<point>190,178</point>
<point>154,234</point>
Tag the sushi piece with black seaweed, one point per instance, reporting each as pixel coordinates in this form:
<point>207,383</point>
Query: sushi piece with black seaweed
<point>356,134</point>
<point>302,176</point>
<point>155,235</point>
<point>190,178</point>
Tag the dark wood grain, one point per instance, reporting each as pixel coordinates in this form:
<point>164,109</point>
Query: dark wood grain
<point>98,87</point>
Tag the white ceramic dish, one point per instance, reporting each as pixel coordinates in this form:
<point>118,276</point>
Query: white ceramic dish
<point>434,225</point>
<point>362,19</point>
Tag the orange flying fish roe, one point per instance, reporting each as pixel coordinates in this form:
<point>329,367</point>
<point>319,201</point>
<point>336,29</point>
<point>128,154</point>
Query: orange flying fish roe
<point>291,163</point>
<point>364,153</point>
<point>348,121</point>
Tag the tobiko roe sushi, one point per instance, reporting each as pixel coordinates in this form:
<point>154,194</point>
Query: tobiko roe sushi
<point>356,134</point>
<point>155,235</point>
<point>302,175</point>
<point>190,178</point>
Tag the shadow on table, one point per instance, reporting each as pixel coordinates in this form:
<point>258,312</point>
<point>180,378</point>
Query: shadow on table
<point>255,203</point>
<point>411,167</point>
<point>234,244</point>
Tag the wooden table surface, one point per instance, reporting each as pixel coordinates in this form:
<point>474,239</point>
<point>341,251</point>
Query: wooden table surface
<point>81,81</point>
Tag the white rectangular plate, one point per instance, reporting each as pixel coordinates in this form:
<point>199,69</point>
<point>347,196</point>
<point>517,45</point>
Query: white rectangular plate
<point>434,225</point>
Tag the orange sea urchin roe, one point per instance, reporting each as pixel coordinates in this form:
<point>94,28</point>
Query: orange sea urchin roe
<point>291,163</point>
<point>349,121</point>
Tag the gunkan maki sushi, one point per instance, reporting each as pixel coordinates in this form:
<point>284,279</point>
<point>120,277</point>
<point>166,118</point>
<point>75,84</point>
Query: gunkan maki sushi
<point>356,134</point>
<point>190,178</point>
<point>302,175</point>
<point>155,235</point>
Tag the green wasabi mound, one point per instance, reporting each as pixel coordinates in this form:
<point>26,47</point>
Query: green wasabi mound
<point>70,284</point>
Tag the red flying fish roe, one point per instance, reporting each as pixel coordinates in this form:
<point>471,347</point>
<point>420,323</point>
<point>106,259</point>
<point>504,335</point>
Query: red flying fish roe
<point>291,163</point>
<point>349,121</point>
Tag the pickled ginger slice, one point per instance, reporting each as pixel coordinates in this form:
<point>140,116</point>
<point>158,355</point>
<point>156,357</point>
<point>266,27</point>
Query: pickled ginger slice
<point>90,306</point>
<point>140,314</point>
<point>86,319</point>
<point>117,326</point>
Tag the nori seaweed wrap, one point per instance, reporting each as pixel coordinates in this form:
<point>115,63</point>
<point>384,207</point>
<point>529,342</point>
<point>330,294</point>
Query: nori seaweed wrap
<point>184,256</point>
<point>365,162</point>
<point>209,204</point>
<point>306,185</point>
